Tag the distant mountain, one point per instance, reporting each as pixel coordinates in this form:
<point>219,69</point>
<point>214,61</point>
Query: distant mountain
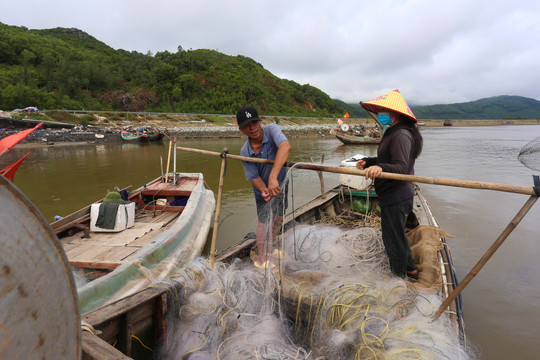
<point>68,68</point>
<point>497,107</point>
<point>493,108</point>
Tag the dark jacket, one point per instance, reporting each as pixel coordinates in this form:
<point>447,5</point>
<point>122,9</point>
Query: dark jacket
<point>394,155</point>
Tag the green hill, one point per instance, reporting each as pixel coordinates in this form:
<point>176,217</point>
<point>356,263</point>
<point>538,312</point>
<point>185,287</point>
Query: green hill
<point>354,110</point>
<point>67,68</point>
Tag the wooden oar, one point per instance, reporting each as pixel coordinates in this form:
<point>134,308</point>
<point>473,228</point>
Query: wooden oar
<point>218,207</point>
<point>413,178</point>
<point>480,264</point>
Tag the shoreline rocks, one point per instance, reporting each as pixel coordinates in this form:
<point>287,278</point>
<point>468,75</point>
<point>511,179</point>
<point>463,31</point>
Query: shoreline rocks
<point>93,134</point>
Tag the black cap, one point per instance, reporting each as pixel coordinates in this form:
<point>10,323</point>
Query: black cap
<point>246,115</point>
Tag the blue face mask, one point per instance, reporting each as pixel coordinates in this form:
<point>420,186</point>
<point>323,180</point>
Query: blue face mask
<point>384,118</point>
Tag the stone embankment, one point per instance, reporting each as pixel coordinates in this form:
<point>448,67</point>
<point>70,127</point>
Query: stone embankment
<point>99,134</point>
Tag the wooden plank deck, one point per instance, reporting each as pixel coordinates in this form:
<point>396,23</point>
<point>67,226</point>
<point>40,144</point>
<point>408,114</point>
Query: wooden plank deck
<point>107,250</point>
<point>184,188</point>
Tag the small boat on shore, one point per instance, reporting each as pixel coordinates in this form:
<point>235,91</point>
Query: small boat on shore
<point>127,241</point>
<point>347,311</point>
<point>143,135</point>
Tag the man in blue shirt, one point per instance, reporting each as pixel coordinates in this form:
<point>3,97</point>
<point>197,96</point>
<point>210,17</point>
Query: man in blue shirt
<point>265,142</point>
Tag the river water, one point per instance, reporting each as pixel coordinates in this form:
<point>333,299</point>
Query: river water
<point>501,304</point>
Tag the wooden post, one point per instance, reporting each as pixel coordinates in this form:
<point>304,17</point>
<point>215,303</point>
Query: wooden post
<point>161,164</point>
<point>218,207</point>
<point>506,232</point>
<point>168,162</point>
<point>174,162</point>
<point>321,179</point>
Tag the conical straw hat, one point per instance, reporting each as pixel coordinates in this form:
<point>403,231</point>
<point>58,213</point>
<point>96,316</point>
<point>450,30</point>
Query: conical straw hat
<point>392,101</point>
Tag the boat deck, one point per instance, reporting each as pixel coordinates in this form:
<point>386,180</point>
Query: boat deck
<point>108,250</point>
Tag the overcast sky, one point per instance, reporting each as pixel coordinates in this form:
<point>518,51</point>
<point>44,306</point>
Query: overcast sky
<point>433,51</point>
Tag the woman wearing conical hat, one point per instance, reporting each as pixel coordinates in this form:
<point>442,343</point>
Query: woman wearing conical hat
<point>400,145</point>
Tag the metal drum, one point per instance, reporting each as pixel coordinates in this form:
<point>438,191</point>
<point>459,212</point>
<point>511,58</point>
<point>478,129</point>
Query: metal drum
<point>39,315</point>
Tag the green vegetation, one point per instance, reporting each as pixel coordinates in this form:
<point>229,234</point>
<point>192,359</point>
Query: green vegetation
<point>354,110</point>
<point>67,68</point>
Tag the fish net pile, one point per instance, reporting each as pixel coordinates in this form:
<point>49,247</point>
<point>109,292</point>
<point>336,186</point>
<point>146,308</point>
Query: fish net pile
<point>330,296</point>
<point>530,155</point>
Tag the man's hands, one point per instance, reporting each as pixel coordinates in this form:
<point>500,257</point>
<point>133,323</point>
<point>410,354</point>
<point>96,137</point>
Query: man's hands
<point>273,186</point>
<point>266,195</point>
<point>272,190</point>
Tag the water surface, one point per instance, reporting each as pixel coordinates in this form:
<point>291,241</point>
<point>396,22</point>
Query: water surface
<point>501,304</point>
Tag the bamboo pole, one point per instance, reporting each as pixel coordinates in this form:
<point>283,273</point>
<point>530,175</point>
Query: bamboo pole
<point>174,162</point>
<point>168,162</point>
<point>494,247</point>
<point>218,207</point>
<point>413,178</point>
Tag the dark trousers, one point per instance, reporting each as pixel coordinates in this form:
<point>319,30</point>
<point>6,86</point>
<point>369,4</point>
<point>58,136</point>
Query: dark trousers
<point>393,219</point>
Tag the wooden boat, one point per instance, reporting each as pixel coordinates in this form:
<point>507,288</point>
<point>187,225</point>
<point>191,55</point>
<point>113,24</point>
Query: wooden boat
<point>169,228</point>
<point>142,136</point>
<point>141,316</point>
<point>349,138</point>
<point>447,123</point>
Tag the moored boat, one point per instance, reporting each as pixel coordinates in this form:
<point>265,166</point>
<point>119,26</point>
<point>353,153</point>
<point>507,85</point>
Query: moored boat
<point>351,138</point>
<point>127,241</point>
<point>143,135</point>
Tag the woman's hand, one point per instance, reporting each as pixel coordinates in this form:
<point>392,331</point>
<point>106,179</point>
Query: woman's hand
<point>373,171</point>
<point>360,164</point>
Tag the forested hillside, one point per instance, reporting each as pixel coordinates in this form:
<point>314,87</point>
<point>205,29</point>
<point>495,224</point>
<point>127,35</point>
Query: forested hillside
<point>67,68</point>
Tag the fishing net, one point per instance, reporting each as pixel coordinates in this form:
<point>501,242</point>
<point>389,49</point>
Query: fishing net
<point>326,293</point>
<point>530,155</point>
<point>330,297</point>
